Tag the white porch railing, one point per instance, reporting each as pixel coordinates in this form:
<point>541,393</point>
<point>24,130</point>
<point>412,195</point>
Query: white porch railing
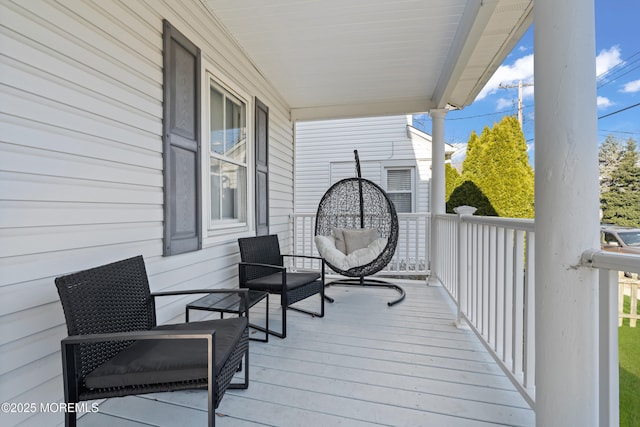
<point>634,295</point>
<point>610,264</point>
<point>411,256</point>
<point>487,266</point>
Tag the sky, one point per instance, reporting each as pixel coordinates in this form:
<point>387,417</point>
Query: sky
<point>618,83</point>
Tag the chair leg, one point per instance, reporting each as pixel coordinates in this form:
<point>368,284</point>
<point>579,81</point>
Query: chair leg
<point>71,394</point>
<point>266,329</point>
<point>284,320</point>
<point>314,313</point>
<point>70,419</point>
<point>286,307</point>
<point>246,371</point>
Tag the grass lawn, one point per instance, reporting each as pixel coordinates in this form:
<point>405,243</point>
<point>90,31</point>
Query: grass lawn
<point>629,356</point>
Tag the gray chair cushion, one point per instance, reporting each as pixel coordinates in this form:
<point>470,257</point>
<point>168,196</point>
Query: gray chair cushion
<point>273,282</point>
<point>165,361</point>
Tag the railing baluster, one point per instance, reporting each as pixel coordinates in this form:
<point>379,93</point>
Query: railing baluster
<point>518,303</point>
<point>491,303</point>
<point>485,280</point>
<point>508,298</point>
<point>500,261</point>
<point>529,314</point>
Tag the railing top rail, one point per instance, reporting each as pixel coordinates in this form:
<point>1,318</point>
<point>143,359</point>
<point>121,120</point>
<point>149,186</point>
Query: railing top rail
<point>400,215</point>
<point>525,224</point>
<point>515,223</point>
<point>611,261</point>
<point>446,216</point>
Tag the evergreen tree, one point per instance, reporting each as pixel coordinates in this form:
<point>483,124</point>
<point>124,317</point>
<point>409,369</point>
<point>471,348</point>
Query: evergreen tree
<point>621,203</point>
<point>472,161</point>
<point>497,163</point>
<point>469,194</point>
<point>609,157</point>
<point>451,179</point>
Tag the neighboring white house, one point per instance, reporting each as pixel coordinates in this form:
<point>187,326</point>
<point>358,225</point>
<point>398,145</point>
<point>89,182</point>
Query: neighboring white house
<point>393,154</point>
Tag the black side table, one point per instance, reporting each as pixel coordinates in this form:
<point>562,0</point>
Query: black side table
<point>230,303</point>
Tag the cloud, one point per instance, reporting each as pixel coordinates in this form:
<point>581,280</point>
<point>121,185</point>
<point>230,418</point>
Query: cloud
<point>521,69</point>
<point>504,103</point>
<point>606,60</point>
<point>632,87</point>
<point>604,102</point>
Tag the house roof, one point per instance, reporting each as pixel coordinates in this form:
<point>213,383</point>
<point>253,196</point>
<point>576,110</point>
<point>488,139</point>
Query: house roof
<point>349,58</point>
<point>416,134</point>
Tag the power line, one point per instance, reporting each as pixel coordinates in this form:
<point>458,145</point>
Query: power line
<point>617,76</point>
<point>619,131</point>
<point>609,74</point>
<point>619,111</point>
<point>479,115</point>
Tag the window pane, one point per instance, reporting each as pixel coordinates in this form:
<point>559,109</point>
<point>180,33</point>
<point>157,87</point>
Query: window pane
<point>216,120</point>
<point>402,202</point>
<point>216,177</point>
<point>235,131</point>
<point>399,179</point>
<point>233,196</point>
<point>228,191</point>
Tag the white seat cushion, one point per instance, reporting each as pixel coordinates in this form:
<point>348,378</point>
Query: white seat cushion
<point>326,246</point>
<point>348,240</point>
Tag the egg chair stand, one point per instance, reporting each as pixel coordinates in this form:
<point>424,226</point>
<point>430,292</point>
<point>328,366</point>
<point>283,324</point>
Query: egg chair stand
<point>354,204</point>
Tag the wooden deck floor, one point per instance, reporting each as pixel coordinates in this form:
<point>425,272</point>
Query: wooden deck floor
<point>364,363</point>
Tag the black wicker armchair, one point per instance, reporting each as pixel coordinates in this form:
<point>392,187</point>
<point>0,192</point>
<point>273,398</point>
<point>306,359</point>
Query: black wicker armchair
<point>262,269</point>
<point>357,207</point>
<point>115,348</point>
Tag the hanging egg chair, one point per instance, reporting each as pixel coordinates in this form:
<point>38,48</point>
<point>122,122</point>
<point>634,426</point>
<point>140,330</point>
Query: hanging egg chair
<point>356,231</point>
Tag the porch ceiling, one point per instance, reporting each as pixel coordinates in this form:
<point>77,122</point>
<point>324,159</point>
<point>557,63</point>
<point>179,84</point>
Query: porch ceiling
<point>349,58</point>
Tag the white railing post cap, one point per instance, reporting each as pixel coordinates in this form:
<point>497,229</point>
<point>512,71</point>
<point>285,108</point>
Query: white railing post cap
<point>465,210</point>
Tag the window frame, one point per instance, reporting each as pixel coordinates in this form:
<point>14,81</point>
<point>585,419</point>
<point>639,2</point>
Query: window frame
<point>412,177</point>
<point>213,230</point>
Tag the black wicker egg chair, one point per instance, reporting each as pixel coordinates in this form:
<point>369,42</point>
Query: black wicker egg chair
<point>357,205</point>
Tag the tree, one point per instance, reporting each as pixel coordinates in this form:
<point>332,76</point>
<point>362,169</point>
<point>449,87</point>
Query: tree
<point>451,179</point>
<point>498,164</point>
<point>609,157</point>
<point>621,201</point>
<point>469,194</point>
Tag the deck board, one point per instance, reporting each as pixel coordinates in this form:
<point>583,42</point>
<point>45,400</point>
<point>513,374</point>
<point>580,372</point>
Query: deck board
<point>364,363</point>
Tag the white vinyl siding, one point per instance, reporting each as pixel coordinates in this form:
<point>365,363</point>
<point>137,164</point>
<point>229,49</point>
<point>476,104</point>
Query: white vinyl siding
<point>81,171</point>
<point>324,155</point>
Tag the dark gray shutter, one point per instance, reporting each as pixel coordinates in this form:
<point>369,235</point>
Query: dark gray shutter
<point>181,143</point>
<point>262,168</point>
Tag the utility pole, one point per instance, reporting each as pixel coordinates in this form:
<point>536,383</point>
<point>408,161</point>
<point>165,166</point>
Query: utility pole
<point>520,85</point>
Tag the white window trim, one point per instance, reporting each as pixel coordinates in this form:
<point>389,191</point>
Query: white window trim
<point>402,166</point>
<point>213,234</point>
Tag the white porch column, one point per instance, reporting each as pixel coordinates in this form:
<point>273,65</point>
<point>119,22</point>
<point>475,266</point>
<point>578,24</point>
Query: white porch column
<point>567,198</point>
<point>437,202</point>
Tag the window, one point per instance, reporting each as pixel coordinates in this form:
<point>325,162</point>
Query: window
<point>400,189</point>
<point>227,157</point>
